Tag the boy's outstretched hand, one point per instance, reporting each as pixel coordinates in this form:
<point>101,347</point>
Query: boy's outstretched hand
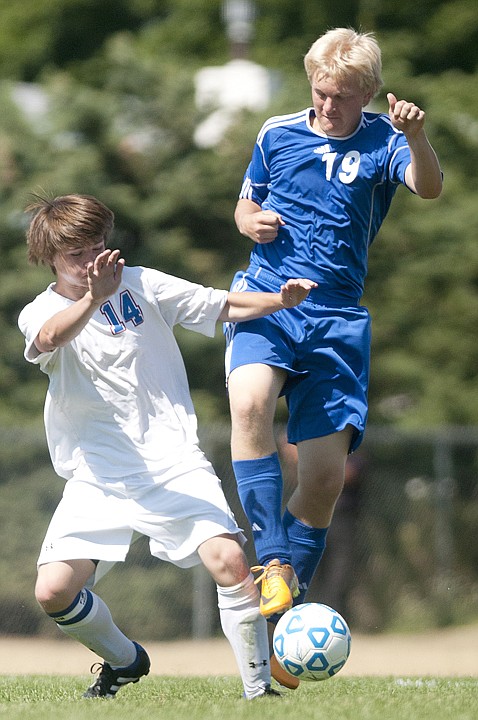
<point>296,290</point>
<point>104,274</point>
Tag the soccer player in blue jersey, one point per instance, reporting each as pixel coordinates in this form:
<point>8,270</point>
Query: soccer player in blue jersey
<point>317,189</point>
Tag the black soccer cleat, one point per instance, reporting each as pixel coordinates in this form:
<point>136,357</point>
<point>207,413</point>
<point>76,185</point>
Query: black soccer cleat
<point>110,680</point>
<point>269,691</point>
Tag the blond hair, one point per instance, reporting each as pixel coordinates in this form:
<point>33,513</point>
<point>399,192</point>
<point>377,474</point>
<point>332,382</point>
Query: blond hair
<point>66,222</point>
<point>343,54</point>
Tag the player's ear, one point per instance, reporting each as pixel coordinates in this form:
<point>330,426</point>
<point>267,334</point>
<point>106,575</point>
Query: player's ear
<point>366,99</point>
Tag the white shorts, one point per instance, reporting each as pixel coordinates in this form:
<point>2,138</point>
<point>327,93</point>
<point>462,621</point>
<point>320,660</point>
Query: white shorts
<point>178,510</point>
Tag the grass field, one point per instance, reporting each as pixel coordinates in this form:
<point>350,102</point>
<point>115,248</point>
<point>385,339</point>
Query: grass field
<point>188,698</point>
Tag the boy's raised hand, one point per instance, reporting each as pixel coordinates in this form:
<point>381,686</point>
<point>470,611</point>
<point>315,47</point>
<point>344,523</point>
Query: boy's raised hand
<point>104,274</point>
<point>295,290</point>
<point>405,116</point>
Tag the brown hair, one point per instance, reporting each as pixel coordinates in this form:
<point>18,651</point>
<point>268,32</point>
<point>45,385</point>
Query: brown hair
<point>66,222</point>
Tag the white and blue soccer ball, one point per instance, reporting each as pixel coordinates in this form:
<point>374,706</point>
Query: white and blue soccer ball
<point>312,641</point>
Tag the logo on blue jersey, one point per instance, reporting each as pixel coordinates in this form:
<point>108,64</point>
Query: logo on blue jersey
<point>322,149</point>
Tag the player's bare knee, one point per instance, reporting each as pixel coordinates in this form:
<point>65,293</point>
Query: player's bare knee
<point>326,484</point>
<point>230,564</point>
<point>245,411</point>
<point>237,564</point>
<point>331,488</point>
<point>52,595</point>
<point>44,595</point>
<point>251,406</point>
<point>224,558</point>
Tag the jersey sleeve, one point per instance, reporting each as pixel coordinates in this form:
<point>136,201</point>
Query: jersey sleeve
<point>31,320</point>
<point>399,154</point>
<point>188,304</point>
<point>255,184</point>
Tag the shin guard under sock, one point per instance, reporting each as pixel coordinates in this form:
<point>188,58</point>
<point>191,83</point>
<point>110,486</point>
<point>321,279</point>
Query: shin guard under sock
<point>307,546</point>
<point>246,630</point>
<point>259,486</point>
<point>89,621</point>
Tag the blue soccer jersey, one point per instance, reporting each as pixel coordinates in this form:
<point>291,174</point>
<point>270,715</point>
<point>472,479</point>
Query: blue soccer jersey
<point>332,193</point>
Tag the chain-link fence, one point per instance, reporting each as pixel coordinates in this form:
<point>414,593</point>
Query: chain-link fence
<point>402,550</point>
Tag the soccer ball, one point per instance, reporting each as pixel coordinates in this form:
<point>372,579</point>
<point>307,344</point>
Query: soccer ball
<point>312,641</point>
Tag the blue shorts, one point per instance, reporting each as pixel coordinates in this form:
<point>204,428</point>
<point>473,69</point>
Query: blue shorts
<point>324,349</point>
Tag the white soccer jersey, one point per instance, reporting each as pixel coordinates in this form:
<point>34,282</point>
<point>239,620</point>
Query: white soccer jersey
<point>118,396</point>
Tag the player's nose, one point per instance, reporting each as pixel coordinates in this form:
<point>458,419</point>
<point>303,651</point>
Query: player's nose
<point>90,256</point>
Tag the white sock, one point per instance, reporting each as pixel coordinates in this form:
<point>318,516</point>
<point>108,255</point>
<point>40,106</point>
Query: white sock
<point>246,630</point>
<point>89,621</point>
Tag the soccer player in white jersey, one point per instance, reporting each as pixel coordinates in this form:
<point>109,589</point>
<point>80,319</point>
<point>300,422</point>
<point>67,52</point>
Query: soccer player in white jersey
<point>121,429</point>
<point>317,189</point>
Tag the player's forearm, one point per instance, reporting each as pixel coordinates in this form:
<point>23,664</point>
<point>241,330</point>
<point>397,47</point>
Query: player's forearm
<point>63,327</point>
<point>424,173</point>
<point>250,306</point>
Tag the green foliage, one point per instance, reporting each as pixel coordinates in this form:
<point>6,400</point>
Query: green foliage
<point>58,32</point>
<point>118,121</point>
<point>114,115</point>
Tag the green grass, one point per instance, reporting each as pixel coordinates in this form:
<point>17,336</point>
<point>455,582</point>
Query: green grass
<point>44,698</point>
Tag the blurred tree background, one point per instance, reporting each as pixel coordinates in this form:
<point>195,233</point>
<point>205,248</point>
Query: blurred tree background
<point>99,97</point>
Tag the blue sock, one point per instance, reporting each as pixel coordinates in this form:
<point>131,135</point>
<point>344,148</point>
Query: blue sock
<point>259,486</point>
<point>307,546</point>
